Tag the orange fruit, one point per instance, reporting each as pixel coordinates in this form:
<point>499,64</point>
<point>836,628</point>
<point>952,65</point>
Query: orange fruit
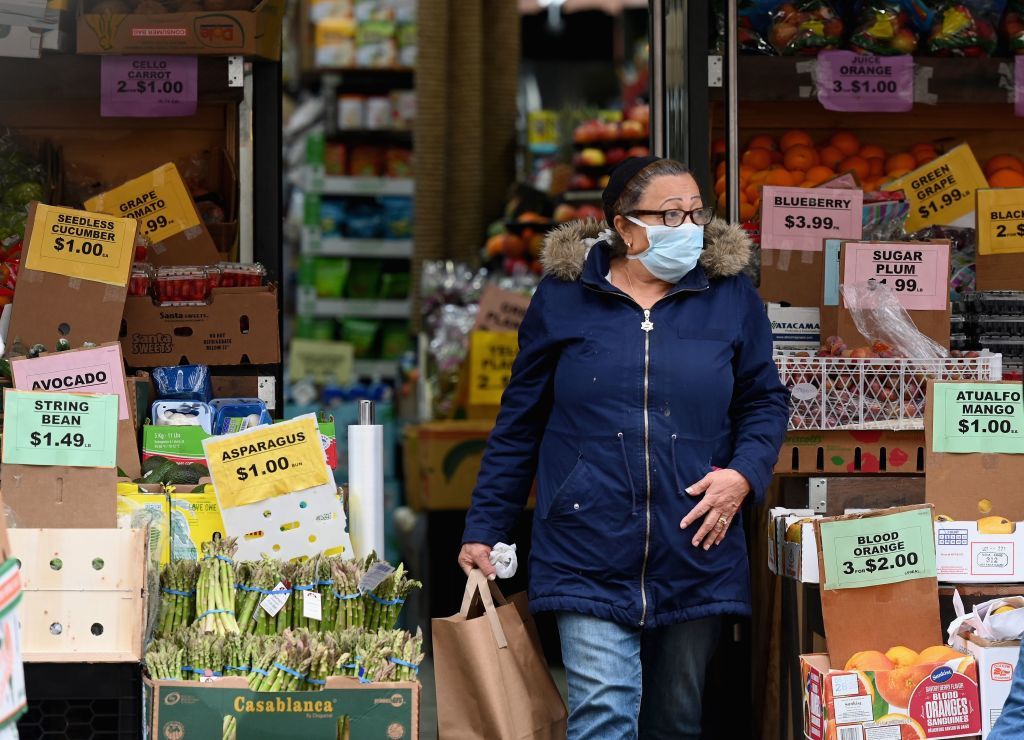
<point>718,146</point>
<point>757,159</point>
<point>926,158</point>
<point>857,165</point>
<point>923,153</point>
<point>779,177</point>
<point>1003,162</point>
<point>1006,179</point>
<point>720,185</point>
<point>745,173</point>
<point>793,138</point>
<point>747,211</point>
<point>759,176</point>
<point>819,174</point>
<point>889,176</point>
<point>872,151</point>
<point>845,142</point>
<point>800,157</point>
<point>876,166</point>
<point>938,654</point>
<point>753,191</point>
<point>762,141</point>
<point>868,660</point>
<point>831,157</point>
<point>897,686</point>
<point>777,157</point>
<point>901,656</point>
<point>902,161</point>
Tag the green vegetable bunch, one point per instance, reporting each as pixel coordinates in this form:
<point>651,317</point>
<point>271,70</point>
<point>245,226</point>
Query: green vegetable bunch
<point>215,588</point>
<point>177,596</point>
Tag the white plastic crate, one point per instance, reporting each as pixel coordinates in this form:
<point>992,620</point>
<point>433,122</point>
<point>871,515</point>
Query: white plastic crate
<point>870,393</point>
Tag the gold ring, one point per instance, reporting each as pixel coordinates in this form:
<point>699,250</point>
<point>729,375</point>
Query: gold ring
<point>722,521</point>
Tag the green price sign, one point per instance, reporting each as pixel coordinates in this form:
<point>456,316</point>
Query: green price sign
<point>978,417</point>
<point>60,429</point>
<point>876,550</point>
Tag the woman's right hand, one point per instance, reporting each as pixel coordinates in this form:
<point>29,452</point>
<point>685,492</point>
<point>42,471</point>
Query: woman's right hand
<point>476,555</point>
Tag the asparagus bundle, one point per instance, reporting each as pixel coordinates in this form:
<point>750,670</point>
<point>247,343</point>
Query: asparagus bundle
<point>257,581</point>
<point>325,587</point>
<point>164,660</point>
<point>236,656</point>
<point>204,655</point>
<point>305,579</point>
<point>384,603</point>
<point>215,588</point>
<point>291,664</point>
<point>177,596</point>
<point>230,728</point>
<point>349,608</point>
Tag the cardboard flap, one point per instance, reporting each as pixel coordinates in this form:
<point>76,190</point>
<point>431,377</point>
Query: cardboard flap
<point>878,617</point>
<point>43,496</point>
<point>957,484</point>
<point>792,277</point>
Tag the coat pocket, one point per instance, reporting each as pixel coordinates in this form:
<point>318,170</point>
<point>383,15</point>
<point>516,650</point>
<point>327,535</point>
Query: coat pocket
<point>572,497</point>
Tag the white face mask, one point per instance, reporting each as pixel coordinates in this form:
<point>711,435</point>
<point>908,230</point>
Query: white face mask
<point>673,250</point>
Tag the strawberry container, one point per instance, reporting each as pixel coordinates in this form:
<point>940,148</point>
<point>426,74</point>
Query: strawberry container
<point>176,284</point>
<point>871,393</point>
<point>239,275</point>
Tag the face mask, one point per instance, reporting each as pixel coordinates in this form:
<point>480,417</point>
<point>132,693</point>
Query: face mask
<point>673,251</point>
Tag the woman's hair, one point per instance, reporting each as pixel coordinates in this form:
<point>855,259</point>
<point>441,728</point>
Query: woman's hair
<point>634,191</point>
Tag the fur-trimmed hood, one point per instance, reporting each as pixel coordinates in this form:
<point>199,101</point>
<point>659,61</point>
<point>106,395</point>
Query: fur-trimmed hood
<point>727,249</point>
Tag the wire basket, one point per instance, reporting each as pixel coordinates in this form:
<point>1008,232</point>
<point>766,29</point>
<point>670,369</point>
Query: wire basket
<point>870,393</point>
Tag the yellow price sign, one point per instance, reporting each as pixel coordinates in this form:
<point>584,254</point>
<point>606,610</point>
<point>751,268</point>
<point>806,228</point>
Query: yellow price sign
<point>267,461</point>
<point>158,200</point>
<point>542,130</point>
<point>1000,220</point>
<point>81,244</point>
<point>943,190</point>
<point>320,360</point>
<point>491,354</point>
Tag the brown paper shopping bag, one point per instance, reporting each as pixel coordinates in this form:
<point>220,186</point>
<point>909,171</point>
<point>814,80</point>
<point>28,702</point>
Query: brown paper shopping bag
<point>492,680</point>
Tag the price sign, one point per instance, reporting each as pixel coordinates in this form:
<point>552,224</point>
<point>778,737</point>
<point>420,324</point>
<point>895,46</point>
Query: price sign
<point>266,461</point>
<point>802,218</point>
<point>158,200</point>
<point>848,81</point>
<point>99,370</point>
<point>872,551</point>
<point>149,86</point>
<point>491,354</point>
<point>542,131</point>
<point>1018,86</point>
<point>941,191</point>
<point>1000,220</point>
<point>321,361</point>
<point>978,417</point>
<point>60,429</point>
<point>81,244</point>
<point>918,273</point>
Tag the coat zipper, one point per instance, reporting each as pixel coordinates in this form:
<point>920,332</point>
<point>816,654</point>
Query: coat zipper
<point>647,326</point>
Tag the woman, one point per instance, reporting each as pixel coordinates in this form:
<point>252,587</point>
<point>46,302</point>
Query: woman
<point>645,402</point>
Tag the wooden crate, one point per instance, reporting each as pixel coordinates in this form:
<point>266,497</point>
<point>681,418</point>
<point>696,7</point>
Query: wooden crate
<point>84,597</point>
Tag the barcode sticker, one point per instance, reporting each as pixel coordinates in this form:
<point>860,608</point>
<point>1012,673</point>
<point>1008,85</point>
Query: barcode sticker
<point>845,684</point>
<point>882,732</point>
<point>850,733</point>
<point>273,603</point>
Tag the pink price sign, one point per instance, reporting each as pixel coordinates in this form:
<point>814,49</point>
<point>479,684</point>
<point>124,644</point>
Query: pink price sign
<point>917,272</point>
<point>802,218</point>
<point>1018,85</point>
<point>850,82</point>
<point>149,86</point>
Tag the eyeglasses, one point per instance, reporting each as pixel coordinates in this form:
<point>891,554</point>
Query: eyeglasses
<point>676,217</point>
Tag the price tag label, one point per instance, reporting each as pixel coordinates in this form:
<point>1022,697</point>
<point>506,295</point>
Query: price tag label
<point>158,200</point>
<point>802,218</point>
<point>876,550</point>
<point>848,81</point>
<point>81,244</point>
<point>311,605</point>
<point>149,86</point>
<point>491,354</point>
<point>918,273</point>
<point>1000,220</point>
<point>99,370</point>
<point>941,191</point>
<point>266,461</point>
<point>60,429</point>
<point>375,576</point>
<point>321,361</point>
<point>273,603</point>
<point>978,417</point>
<point>542,131</point>
<point>1018,86</point>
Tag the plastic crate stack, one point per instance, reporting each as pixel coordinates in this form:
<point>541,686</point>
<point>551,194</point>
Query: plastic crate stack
<point>993,320</point>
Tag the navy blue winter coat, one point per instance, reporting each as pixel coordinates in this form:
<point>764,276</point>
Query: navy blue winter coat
<point>614,421</point>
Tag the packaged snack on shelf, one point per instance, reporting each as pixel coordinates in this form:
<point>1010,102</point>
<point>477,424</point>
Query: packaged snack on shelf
<point>331,277</point>
<point>403,109</point>
<point>366,161</point>
<point>238,414</point>
<point>964,29</point>
<point>805,27</point>
<point>395,340</point>
<point>333,212</point>
<point>397,213</point>
<point>887,27</point>
<point>183,383</point>
<point>182,286</point>
<point>335,159</point>
<point>376,46</point>
<point>377,116</point>
<point>398,162</point>
<point>364,279</point>
<point>351,112</point>
<point>395,285</point>
<point>183,414</point>
<point>141,280</point>
<point>361,334</point>
<point>335,43</point>
<point>240,275</point>
<point>363,220</point>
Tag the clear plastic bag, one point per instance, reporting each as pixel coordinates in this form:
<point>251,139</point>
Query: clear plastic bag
<point>881,318</point>
<point>753,22</point>
<point>886,27</point>
<point>1013,26</point>
<point>964,29</point>
<point>805,27</point>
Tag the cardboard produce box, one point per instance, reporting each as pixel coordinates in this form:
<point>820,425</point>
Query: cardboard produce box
<point>442,461</point>
<point>795,329</point>
<point>835,451</point>
<point>990,550</point>
<point>793,549</point>
<point>251,33</point>
<point>239,326</point>
<point>996,661</point>
<point>792,277</point>
<point>887,670</point>
<point>184,709</point>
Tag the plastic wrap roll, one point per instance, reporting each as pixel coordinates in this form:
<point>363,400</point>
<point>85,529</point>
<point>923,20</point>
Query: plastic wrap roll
<point>366,488</point>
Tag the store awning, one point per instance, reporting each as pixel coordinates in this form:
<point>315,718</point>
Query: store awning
<point>612,7</point>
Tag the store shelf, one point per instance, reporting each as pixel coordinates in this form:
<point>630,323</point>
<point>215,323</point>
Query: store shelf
<point>376,368</point>
<point>581,196</point>
<point>937,80</point>
<point>336,308</point>
<point>334,185</point>
<point>338,247</point>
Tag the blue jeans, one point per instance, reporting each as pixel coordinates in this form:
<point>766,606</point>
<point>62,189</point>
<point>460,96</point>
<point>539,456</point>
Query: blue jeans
<point>1010,725</point>
<point>610,666</point>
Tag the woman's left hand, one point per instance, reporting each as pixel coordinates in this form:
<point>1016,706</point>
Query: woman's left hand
<point>724,491</point>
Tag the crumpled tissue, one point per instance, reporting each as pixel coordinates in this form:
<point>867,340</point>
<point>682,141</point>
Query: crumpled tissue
<point>503,558</point>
